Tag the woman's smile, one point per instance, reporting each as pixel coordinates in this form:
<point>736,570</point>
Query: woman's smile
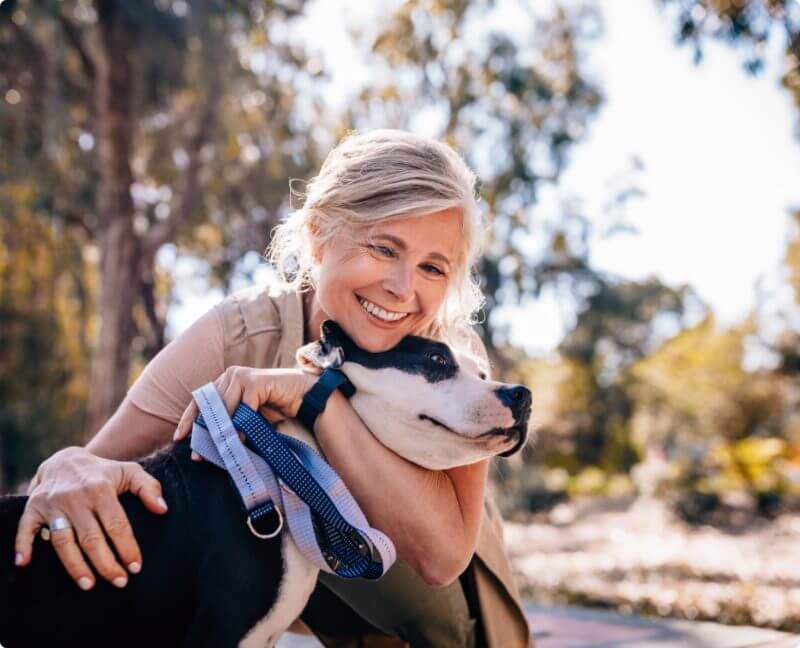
<point>381,314</point>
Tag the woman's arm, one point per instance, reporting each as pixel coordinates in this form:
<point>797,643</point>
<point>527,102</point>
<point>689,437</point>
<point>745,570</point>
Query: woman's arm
<point>433,517</point>
<point>83,484</point>
<point>131,433</point>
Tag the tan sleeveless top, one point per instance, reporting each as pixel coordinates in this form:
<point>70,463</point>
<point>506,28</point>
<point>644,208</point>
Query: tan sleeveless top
<point>264,327</point>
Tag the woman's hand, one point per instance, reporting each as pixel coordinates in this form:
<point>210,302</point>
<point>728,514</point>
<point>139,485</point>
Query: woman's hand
<point>83,488</point>
<point>276,393</point>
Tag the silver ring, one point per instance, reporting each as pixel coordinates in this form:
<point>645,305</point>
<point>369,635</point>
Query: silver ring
<point>59,524</point>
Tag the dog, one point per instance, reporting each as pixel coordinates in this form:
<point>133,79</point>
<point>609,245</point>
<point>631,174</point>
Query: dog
<point>209,581</point>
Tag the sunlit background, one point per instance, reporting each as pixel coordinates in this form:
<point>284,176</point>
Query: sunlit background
<point>640,167</point>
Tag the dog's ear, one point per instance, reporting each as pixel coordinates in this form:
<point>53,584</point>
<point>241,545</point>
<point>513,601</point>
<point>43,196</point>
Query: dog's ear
<point>310,358</point>
<point>332,335</point>
<point>329,352</point>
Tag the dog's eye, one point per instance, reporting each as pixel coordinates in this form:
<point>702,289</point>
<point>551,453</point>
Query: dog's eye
<point>438,358</point>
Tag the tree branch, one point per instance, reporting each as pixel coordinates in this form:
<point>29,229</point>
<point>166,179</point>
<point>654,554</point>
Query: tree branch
<point>74,218</point>
<point>28,41</point>
<point>74,38</point>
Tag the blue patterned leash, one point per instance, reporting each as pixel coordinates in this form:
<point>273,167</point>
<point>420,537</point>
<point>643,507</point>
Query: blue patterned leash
<point>324,519</point>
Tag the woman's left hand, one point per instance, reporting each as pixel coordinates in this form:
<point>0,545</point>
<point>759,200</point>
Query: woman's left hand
<point>276,393</point>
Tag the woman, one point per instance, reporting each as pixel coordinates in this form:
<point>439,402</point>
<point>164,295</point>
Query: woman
<point>383,245</point>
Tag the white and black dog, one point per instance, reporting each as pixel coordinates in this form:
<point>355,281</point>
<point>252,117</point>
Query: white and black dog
<point>208,580</point>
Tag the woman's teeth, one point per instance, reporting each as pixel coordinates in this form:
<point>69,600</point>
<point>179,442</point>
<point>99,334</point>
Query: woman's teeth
<point>378,312</point>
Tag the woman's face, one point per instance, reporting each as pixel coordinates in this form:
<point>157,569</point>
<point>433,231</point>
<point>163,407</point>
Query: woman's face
<point>391,285</point>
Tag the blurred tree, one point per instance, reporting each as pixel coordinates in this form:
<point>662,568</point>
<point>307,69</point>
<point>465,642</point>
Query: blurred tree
<point>787,343</point>
<point>749,26</point>
<point>792,257</point>
<point>693,398</point>
<point>584,407</point>
<point>620,323</point>
<point>145,123</point>
<point>694,389</point>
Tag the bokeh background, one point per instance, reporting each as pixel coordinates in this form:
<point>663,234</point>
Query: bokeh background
<point>640,165</point>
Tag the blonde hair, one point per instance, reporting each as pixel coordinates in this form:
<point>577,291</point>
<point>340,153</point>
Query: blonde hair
<point>375,176</point>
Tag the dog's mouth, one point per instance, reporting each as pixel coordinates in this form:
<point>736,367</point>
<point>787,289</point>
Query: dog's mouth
<point>516,433</point>
<point>425,417</point>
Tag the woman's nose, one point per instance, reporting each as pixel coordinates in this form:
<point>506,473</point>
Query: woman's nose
<point>400,282</point>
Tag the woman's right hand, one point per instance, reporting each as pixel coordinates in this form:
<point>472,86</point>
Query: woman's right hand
<point>84,489</point>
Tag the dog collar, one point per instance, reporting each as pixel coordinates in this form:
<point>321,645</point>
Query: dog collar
<point>315,399</point>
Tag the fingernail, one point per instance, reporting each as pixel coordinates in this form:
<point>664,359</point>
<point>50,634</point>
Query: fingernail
<point>176,435</point>
<point>195,456</point>
<point>85,583</point>
<point>162,502</point>
<point>120,581</point>
<point>18,559</point>
<point>135,568</point>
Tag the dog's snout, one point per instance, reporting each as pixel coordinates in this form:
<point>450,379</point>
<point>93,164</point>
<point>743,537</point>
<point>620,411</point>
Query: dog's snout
<point>517,398</point>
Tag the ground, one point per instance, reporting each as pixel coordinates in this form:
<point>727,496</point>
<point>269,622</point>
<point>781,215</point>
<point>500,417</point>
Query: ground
<point>638,557</point>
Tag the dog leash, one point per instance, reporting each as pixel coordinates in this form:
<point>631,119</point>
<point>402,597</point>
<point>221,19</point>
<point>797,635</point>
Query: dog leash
<point>322,516</point>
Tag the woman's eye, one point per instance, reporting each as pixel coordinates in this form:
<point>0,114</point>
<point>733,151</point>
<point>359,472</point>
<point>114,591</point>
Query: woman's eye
<point>433,270</point>
<point>382,249</point>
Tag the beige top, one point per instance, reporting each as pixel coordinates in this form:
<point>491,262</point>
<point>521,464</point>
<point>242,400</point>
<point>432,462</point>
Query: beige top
<point>264,327</point>
<point>244,329</point>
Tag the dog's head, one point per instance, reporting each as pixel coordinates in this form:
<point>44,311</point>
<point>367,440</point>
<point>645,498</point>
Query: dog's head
<point>426,402</point>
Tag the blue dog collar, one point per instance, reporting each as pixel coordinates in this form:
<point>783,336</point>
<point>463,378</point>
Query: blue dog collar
<point>315,399</point>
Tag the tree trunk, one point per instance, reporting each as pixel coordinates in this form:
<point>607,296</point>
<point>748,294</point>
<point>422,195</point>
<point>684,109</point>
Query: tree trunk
<point>119,245</point>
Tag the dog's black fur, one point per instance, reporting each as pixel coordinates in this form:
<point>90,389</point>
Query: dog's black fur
<point>196,587</point>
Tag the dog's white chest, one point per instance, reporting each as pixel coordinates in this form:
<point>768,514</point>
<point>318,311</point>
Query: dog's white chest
<point>299,575</point>
<point>299,580</point>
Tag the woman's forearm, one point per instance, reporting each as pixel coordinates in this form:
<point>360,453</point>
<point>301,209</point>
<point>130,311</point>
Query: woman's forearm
<point>130,434</point>
<point>432,520</point>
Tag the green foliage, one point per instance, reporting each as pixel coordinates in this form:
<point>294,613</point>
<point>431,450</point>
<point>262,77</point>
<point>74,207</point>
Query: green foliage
<point>694,388</point>
<point>44,317</point>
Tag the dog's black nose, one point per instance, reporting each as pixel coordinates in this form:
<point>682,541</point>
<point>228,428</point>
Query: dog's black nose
<point>517,398</point>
